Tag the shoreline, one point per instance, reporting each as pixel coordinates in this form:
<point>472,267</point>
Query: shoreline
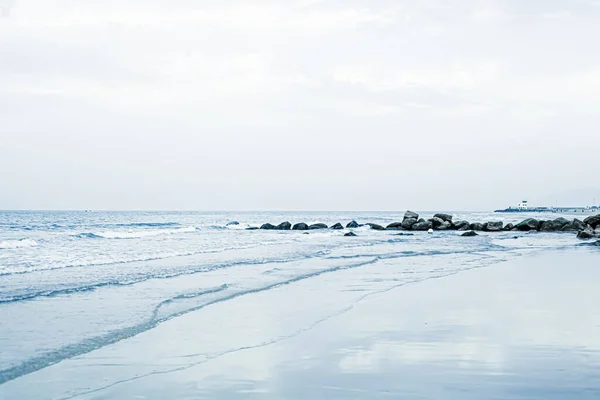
<point>347,335</point>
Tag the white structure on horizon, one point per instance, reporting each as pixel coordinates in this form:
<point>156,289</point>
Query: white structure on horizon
<point>524,205</point>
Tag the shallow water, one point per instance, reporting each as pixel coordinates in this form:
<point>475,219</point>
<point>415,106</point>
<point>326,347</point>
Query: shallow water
<point>73,284</point>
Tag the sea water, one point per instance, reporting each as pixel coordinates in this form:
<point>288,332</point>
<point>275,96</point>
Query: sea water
<point>75,282</point>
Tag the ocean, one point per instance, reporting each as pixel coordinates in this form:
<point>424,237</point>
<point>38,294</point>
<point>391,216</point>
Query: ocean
<point>73,284</point>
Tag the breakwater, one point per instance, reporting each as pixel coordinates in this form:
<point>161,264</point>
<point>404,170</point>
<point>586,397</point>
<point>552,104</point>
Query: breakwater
<point>589,228</point>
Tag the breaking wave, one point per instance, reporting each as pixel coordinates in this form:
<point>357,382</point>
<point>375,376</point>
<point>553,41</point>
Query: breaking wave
<point>132,234</point>
<point>15,244</point>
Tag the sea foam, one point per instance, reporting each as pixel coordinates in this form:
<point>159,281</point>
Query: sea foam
<point>15,244</point>
<point>134,234</point>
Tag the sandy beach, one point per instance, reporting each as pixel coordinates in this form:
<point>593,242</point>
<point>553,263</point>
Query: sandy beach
<point>523,329</point>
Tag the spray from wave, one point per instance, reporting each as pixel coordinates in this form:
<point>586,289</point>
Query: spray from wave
<point>16,244</point>
<point>133,234</point>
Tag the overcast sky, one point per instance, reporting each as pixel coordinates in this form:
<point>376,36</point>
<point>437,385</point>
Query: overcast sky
<point>298,104</point>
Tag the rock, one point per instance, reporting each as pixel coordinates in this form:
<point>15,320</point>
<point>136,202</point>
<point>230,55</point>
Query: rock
<point>422,226</point>
<point>530,224</point>
<point>376,227</point>
<point>575,225</point>
<point>436,222</point>
<point>592,221</point>
<point>445,226</point>
<point>268,227</point>
<point>317,226</point>
<point>476,226</point>
<point>470,233</point>
<point>395,226</point>
<point>352,224</point>
<point>232,223</point>
<point>586,234</point>
<point>284,226</point>
<point>444,217</point>
<point>300,227</point>
<point>337,226</point>
<point>540,223</point>
<point>252,228</point>
<point>461,225</point>
<point>552,226</point>
<point>495,226</point>
<point>411,215</point>
<point>405,234</point>
<point>351,234</point>
<point>561,222</point>
<point>509,227</point>
<point>408,223</point>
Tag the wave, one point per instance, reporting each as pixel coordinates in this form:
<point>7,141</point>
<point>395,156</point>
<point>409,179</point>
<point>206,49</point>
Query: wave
<point>16,244</point>
<point>4,271</point>
<point>326,254</point>
<point>157,317</point>
<point>148,224</point>
<point>139,278</point>
<point>132,234</point>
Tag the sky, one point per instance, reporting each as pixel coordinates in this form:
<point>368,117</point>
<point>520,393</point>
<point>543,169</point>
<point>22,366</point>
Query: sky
<point>299,104</point>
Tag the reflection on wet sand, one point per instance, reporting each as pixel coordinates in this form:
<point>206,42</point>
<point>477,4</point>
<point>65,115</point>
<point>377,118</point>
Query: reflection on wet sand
<point>526,329</point>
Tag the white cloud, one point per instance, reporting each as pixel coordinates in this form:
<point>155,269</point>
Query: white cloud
<point>268,74</point>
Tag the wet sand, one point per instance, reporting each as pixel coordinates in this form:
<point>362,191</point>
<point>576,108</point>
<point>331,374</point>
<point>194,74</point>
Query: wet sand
<point>528,328</point>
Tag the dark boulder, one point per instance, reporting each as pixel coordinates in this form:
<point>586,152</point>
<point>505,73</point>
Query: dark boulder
<point>592,221</point>
<point>530,224</point>
<point>268,227</point>
<point>444,217</point>
<point>252,228</point>
<point>405,234</point>
<point>476,226</point>
<point>574,226</point>
<point>436,222</point>
<point>300,227</point>
<point>470,233</point>
<point>561,222</point>
<point>352,224</point>
<point>395,226</point>
<point>552,226</point>
<point>540,223</point>
<point>232,223</point>
<point>376,227</point>
<point>284,226</point>
<point>411,215</point>
<point>317,226</point>
<point>586,234</point>
<point>461,225</point>
<point>352,234</point>
<point>509,227</point>
<point>337,226</point>
<point>494,226</point>
<point>408,223</point>
<point>444,226</point>
<point>422,226</point>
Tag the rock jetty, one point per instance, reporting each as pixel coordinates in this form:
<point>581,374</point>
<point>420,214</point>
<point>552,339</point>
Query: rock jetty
<point>586,229</point>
